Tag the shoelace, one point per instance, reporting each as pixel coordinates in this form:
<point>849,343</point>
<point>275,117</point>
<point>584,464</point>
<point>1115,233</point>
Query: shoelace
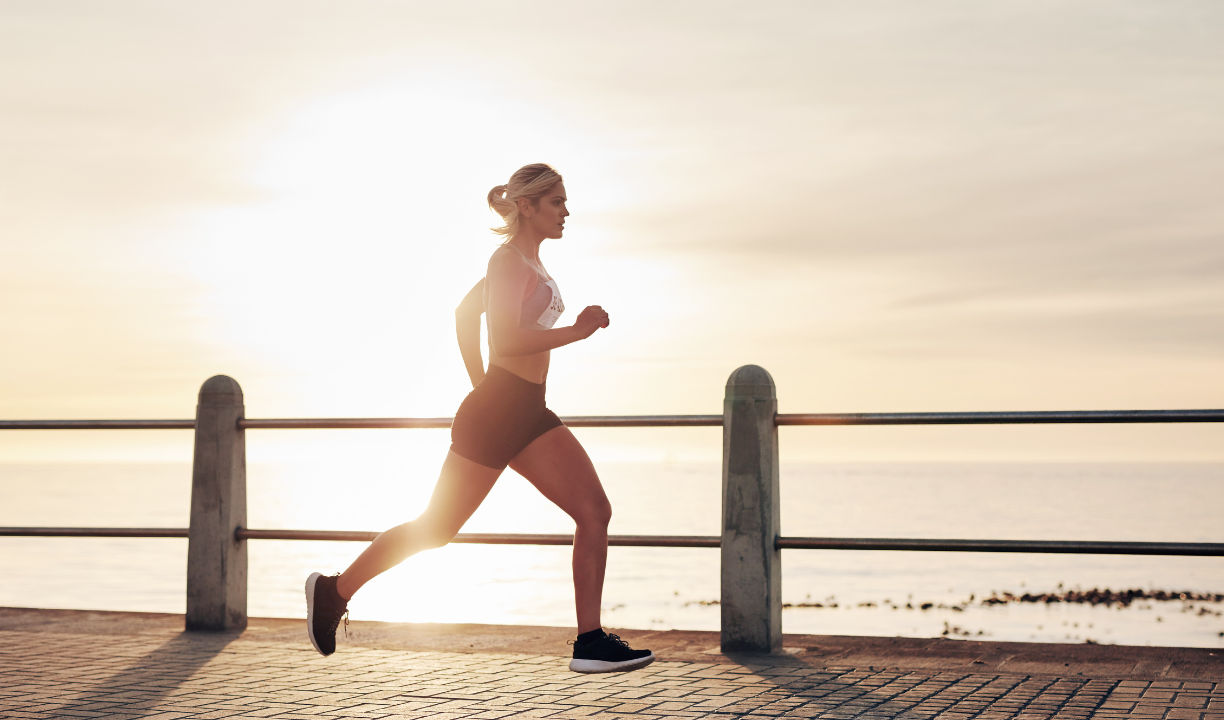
<point>617,639</point>
<point>335,623</point>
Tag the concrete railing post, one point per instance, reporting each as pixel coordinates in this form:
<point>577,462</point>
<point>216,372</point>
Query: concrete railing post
<point>216,561</point>
<point>751,565</point>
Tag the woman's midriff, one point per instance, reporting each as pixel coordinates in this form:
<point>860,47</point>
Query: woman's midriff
<point>532,368</point>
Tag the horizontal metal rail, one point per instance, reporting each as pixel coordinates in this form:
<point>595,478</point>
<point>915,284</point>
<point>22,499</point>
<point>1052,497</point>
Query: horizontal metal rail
<point>1079,547</point>
<point>919,418</point>
<point>698,541</point>
<point>445,422</point>
<point>1042,417</point>
<point>97,424</point>
<point>366,536</point>
<point>93,532</point>
<point>341,423</point>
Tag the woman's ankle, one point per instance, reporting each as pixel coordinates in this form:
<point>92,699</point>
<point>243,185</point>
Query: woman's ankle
<point>588,636</point>
<point>346,593</point>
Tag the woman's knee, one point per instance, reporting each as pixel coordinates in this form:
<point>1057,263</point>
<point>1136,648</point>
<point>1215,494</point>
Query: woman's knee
<point>596,515</point>
<point>413,537</point>
<point>436,535</point>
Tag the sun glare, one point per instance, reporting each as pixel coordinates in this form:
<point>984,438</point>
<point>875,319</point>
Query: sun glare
<point>371,226</point>
<point>337,283</point>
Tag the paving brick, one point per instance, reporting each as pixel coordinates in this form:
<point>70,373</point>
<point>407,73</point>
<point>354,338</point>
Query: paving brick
<point>62,675</point>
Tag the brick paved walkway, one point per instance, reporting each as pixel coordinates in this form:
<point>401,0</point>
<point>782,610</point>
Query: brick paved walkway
<point>196,675</point>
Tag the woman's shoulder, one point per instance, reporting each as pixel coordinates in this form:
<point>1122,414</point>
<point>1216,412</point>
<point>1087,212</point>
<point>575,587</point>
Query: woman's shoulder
<point>502,257</point>
<point>507,260</point>
<point>502,251</point>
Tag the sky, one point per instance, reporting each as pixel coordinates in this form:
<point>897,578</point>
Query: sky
<point>891,206</point>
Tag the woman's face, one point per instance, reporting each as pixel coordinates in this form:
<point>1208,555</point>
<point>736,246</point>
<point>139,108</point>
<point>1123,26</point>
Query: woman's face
<point>546,219</point>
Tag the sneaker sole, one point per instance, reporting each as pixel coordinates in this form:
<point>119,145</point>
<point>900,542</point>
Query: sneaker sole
<point>310,588</point>
<point>604,666</point>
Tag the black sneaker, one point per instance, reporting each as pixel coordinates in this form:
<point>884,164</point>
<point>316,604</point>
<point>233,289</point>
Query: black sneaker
<point>324,610</point>
<point>608,654</point>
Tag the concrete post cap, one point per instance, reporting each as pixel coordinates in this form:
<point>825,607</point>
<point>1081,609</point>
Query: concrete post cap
<point>751,381</point>
<point>220,390</point>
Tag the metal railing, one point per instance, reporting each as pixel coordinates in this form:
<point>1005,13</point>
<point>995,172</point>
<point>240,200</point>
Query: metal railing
<point>1036,417</point>
<point>1078,547</point>
<point>750,541</point>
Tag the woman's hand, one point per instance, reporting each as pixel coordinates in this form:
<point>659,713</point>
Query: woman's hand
<point>590,320</point>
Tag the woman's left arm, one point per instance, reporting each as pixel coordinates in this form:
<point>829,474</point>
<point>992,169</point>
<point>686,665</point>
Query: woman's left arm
<point>467,329</point>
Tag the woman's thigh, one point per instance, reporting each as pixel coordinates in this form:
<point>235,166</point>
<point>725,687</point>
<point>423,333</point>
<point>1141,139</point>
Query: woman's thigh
<point>561,470</point>
<point>462,486</point>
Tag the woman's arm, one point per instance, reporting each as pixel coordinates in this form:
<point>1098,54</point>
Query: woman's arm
<point>467,329</point>
<point>509,278</point>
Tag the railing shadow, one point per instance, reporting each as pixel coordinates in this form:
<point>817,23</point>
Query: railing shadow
<point>148,679</point>
<point>807,687</point>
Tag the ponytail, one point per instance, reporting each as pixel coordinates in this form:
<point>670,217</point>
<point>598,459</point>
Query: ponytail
<point>530,182</point>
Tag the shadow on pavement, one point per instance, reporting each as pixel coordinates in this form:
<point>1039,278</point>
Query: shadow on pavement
<point>905,694</point>
<point>147,680</point>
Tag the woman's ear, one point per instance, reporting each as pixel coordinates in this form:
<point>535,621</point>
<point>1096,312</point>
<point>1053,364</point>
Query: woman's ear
<point>525,207</point>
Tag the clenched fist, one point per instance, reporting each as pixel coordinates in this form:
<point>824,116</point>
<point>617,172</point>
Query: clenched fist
<point>589,320</point>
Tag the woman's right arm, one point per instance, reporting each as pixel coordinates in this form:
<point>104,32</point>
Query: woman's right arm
<point>467,328</point>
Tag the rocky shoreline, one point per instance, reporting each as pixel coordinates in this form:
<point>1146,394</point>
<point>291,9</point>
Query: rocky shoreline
<point>1095,596</point>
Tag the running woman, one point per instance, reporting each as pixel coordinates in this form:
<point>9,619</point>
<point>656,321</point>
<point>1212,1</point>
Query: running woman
<point>504,422</point>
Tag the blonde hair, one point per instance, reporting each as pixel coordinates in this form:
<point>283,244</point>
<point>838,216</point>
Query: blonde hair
<point>530,182</point>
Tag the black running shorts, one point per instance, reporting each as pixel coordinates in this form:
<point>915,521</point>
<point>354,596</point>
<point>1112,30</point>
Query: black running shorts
<point>503,415</point>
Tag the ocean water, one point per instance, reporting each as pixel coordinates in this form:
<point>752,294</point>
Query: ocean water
<point>875,593</point>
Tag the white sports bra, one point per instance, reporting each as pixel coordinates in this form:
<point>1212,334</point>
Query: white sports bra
<point>543,306</point>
